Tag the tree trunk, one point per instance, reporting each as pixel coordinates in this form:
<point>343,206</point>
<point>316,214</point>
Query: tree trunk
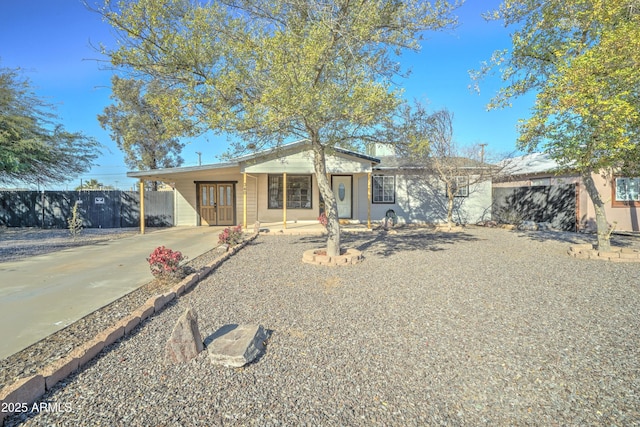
<point>330,204</point>
<point>602,226</point>
<point>450,210</point>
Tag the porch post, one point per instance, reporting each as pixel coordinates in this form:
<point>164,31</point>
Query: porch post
<point>284,200</point>
<point>369,200</point>
<point>244,200</point>
<point>142,215</point>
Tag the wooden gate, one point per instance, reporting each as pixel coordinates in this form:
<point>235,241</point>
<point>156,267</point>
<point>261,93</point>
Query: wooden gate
<point>216,203</point>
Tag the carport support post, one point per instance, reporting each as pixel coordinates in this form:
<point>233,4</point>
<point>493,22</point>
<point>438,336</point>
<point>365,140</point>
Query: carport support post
<point>141,206</point>
<point>369,200</point>
<point>284,200</point>
<point>244,200</point>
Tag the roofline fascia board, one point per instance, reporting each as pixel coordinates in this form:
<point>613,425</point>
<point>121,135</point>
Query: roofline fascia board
<point>161,172</point>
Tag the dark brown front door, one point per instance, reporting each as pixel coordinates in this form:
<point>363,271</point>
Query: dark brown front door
<point>216,203</point>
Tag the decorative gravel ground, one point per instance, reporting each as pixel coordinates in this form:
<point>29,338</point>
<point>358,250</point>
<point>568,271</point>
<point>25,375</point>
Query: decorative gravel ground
<point>483,327</point>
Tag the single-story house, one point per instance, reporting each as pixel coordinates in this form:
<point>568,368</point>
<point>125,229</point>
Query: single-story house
<point>621,194</point>
<point>279,185</point>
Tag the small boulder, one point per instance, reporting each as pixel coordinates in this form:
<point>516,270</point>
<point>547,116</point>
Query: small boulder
<point>186,341</point>
<point>236,345</point>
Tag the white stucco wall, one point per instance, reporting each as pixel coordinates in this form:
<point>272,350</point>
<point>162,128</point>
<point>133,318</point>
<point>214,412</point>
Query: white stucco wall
<point>420,200</point>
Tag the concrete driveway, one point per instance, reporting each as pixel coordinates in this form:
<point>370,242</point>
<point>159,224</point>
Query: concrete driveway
<point>43,294</point>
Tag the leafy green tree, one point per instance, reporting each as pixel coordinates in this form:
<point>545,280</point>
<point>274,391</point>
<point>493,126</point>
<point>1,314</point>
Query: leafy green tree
<point>93,184</point>
<point>581,58</point>
<point>272,72</point>
<point>138,128</point>
<point>34,148</point>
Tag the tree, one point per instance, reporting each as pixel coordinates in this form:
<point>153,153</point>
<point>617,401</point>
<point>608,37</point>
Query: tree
<point>433,147</point>
<point>271,72</point>
<point>93,184</point>
<point>581,58</point>
<point>33,147</point>
<point>138,128</point>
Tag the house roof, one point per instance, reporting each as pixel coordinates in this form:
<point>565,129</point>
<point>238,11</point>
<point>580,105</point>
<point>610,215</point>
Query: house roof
<point>280,150</point>
<point>297,146</point>
<point>182,169</point>
<point>394,162</point>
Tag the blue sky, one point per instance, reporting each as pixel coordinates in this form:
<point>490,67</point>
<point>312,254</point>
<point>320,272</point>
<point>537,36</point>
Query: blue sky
<point>52,41</point>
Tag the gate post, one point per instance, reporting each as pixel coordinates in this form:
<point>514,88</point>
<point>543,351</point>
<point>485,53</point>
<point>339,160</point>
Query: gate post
<point>284,200</point>
<point>244,200</point>
<point>369,201</point>
<point>142,206</point>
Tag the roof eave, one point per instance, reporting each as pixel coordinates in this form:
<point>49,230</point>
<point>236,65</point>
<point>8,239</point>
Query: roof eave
<point>187,169</point>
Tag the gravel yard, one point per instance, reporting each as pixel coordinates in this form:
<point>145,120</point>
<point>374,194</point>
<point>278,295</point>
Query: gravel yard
<point>484,327</point>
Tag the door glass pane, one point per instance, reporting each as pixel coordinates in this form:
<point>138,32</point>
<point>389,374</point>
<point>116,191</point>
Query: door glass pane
<point>204,196</point>
<point>222,199</point>
<point>212,199</point>
<point>228,195</point>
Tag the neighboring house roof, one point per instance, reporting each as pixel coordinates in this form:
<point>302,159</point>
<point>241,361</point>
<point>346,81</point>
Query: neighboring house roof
<point>530,164</point>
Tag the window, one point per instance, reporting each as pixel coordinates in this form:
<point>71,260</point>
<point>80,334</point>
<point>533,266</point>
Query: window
<point>627,192</point>
<point>384,189</point>
<point>298,191</point>
<point>460,186</point>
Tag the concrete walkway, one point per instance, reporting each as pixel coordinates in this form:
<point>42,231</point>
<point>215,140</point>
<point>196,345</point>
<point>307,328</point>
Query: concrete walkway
<point>45,293</point>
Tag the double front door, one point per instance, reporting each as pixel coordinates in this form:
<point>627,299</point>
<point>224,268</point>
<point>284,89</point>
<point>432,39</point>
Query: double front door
<point>216,203</point>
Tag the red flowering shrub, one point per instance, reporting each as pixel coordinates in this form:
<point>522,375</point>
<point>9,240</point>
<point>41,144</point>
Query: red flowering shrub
<point>230,236</point>
<point>165,263</point>
<point>323,219</point>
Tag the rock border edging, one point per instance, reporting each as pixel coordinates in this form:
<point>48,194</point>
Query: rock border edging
<point>27,390</point>
<point>587,251</point>
<point>350,257</point>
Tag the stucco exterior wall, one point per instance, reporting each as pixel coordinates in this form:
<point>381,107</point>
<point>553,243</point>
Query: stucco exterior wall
<point>302,163</point>
<point>185,205</point>
<point>626,218</point>
<point>422,200</point>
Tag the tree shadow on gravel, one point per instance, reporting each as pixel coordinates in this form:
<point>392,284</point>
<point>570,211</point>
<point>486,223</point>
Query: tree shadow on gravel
<point>617,240</point>
<point>385,243</point>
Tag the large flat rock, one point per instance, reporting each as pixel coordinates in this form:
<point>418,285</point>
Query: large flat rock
<point>236,345</point>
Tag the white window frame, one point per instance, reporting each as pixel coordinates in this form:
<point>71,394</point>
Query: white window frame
<point>461,186</point>
<point>383,189</point>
